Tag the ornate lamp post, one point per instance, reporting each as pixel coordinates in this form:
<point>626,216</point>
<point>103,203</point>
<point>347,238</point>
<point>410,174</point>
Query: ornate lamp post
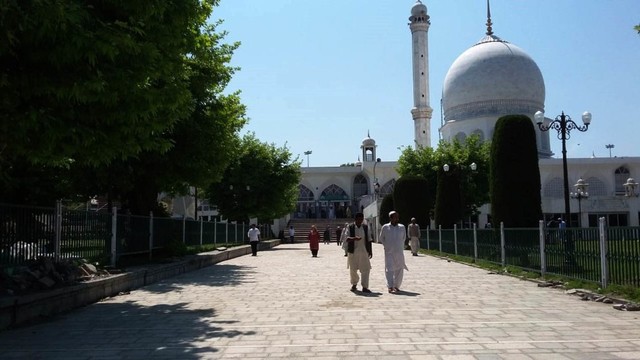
<point>563,125</point>
<point>376,184</point>
<point>581,193</point>
<point>630,188</point>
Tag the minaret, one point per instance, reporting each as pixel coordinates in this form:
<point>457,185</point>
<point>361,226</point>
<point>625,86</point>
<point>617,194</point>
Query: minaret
<point>419,25</point>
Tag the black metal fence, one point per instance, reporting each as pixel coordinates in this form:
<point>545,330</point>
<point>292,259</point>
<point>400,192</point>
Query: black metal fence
<point>27,233</point>
<point>607,255</point>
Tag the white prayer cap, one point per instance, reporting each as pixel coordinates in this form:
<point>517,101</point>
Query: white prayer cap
<point>391,213</point>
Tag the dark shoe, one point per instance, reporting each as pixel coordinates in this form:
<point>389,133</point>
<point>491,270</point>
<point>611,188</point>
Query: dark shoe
<point>391,290</point>
<point>415,254</point>
<point>354,288</point>
<point>365,290</point>
<point>396,290</point>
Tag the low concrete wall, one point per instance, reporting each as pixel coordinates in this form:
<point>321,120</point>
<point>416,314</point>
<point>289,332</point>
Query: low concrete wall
<point>19,310</point>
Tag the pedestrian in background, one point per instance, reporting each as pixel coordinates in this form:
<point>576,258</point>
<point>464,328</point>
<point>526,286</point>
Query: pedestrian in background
<point>292,234</point>
<point>414,236</point>
<point>254,238</point>
<point>327,235</point>
<point>338,235</point>
<point>314,241</point>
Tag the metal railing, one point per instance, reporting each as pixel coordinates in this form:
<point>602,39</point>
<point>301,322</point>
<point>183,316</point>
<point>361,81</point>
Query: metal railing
<point>606,255</point>
<point>27,233</point>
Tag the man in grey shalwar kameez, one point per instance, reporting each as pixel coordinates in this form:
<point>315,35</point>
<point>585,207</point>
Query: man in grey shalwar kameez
<point>359,253</point>
<point>392,237</point>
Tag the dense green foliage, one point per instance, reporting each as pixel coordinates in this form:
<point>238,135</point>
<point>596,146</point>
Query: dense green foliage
<point>261,181</point>
<point>385,207</point>
<point>449,203</point>
<point>115,97</point>
<point>411,199</point>
<point>515,175</point>
<point>94,81</point>
<point>428,163</point>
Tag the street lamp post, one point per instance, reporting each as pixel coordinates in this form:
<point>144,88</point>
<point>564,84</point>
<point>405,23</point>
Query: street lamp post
<point>630,188</point>
<point>376,184</point>
<point>581,193</point>
<point>563,125</point>
<point>308,152</point>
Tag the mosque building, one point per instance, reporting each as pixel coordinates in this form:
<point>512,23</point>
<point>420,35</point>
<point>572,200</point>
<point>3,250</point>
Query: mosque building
<point>491,79</point>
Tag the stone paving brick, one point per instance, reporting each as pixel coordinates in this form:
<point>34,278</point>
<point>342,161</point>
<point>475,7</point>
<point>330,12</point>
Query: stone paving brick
<point>283,304</point>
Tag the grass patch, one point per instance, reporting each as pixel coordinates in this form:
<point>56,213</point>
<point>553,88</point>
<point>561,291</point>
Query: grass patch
<point>629,293</point>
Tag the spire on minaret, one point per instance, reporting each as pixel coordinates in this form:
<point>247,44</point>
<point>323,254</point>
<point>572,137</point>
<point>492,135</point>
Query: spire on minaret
<point>368,133</point>
<point>489,29</point>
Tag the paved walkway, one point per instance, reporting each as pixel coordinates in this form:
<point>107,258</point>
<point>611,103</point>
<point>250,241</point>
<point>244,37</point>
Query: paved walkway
<point>285,304</point>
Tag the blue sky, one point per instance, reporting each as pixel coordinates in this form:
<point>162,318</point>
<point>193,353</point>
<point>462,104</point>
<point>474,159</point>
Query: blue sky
<point>318,75</point>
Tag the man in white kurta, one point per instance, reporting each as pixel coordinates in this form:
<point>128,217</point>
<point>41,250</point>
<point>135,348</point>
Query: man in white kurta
<point>359,253</point>
<point>392,237</point>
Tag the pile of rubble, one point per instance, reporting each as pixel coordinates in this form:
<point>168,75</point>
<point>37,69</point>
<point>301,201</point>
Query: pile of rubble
<point>44,274</point>
<point>586,295</point>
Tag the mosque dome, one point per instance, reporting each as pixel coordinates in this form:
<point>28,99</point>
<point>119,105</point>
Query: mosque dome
<point>492,77</point>
<point>368,142</point>
<point>418,9</point>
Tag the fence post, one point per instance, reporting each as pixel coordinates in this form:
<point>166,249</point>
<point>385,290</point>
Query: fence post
<point>604,265</point>
<point>150,235</point>
<point>455,239</point>
<point>428,231</point>
<point>58,226</point>
<point>201,231</point>
<point>543,258</point>
<point>114,234</point>
<point>215,232</point>
<point>235,238</point>
<point>184,229</point>
<point>503,255</point>
<point>226,233</point>
<point>440,238</point>
<point>475,242</point>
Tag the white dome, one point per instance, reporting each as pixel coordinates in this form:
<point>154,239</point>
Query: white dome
<point>492,77</point>
<point>418,9</point>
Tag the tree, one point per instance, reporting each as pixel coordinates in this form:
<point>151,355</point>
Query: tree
<point>449,204</point>
<point>95,81</point>
<point>200,141</point>
<point>637,27</point>
<point>428,162</point>
<point>515,175</point>
<point>386,206</point>
<point>261,181</point>
<point>411,199</point>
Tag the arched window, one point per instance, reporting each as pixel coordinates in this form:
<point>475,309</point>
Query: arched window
<point>461,137</point>
<point>554,188</point>
<point>333,192</point>
<point>304,194</point>
<point>621,175</point>
<point>387,188</point>
<point>596,187</point>
<point>360,186</point>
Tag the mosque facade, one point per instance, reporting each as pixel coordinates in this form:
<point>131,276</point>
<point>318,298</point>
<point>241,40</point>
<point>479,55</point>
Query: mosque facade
<point>491,79</point>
